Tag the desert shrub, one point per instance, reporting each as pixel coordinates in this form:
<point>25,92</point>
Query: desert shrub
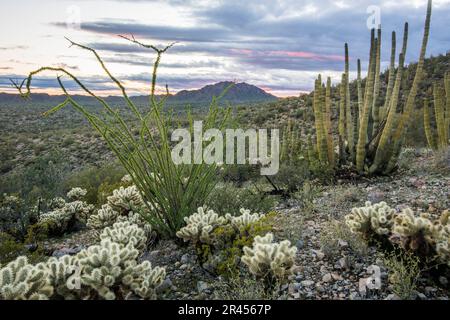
<point>404,272</point>
<point>15,216</point>
<point>336,231</point>
<point>307,195</point>
<point>97,181</point>
<point>227,198</point>
<point>239,174</point>
<point>244,287</point>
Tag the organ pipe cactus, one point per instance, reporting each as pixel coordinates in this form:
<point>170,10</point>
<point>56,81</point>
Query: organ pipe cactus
<point>374,142</point>
<point>438,140</point>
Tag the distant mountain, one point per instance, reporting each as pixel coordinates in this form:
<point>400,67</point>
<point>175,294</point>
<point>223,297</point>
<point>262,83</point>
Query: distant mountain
<point>237,94</point>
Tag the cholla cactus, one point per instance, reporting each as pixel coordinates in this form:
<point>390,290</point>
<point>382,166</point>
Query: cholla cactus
<point>417,232</point>
<point>136,218</point>
<point>57,220</point>
<point>105,217</point>
<point>80,209</point>
<point>124,200</point>
<point>76,194</point>
<point>110,266</point>
<point>442,237</point>
<point>124,233</point>
<point>62,274</point>
<point>270,260</point>
<point>22,281</point>
<point>126,179</point>
<point>377,218</point>
<point>244,220</point>
<point>200,225</point>
<point>56,203</point>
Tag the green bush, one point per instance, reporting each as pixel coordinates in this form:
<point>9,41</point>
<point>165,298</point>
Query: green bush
<point>227,198</point>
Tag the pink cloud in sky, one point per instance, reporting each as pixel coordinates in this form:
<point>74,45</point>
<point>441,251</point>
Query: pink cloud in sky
<point>292,54</point>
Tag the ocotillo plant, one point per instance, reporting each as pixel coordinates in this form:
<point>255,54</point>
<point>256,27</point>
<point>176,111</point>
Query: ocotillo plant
<point>371,133</point>
<point>438,138</point>
<point>171,192</point>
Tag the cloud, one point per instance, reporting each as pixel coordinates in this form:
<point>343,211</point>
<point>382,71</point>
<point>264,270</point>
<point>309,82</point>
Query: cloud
<point>14,48</point>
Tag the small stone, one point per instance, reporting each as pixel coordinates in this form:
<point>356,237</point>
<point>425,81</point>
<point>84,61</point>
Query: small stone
<point>185,258</point>
<point>343,243</point>
<point>421,296</point>
<point>319,254</point>
<point>202,286</point>
<point>300,244</point>
<point>327,278</point>
<point>164,286</point>
<point>443,280</point>
<point>343,263</point>
<point>307,283</point>
<point>336,276</point>
<point>392,296</point>
<point>184,266</point>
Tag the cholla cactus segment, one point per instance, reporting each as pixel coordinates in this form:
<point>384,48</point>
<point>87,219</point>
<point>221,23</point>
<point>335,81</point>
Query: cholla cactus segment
<point>62,274</point>
<point>56,203</point>
<point>143,279</point>
<point>136,218</point>
<point>22,281</point>
<point>200,225</point>
<point>124,200</point>
<point>268,259</point>
<point>105,217</point>
<point>377,218</point>
<point>407,224</point>
<point>80,209</point>
<point>58,219</point>
<point>124,233</point>
<point>76,194</point>
<point>126,179</point>
<point>245,219</point>
<point>109,266</point>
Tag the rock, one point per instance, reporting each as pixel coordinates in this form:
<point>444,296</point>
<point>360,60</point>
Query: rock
<point>202,286</point>
<point>300,244</point>
<point>421,296</point>
<point>392,296</point>
<point>376,196</point>
<point>327,278</point>
<point>184,266</point>
<point>185,258</point>
<point>429,290</point>
<point>443,280</point>
<point>319,254</point>
<point>163,287</point>
<point>336,276</point>
<point>343,243</point>
<point>67,251</point>
<point>343,263</point>
<point>307,283</point>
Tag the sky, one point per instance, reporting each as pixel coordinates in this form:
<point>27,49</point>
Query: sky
<point>278,45</point>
